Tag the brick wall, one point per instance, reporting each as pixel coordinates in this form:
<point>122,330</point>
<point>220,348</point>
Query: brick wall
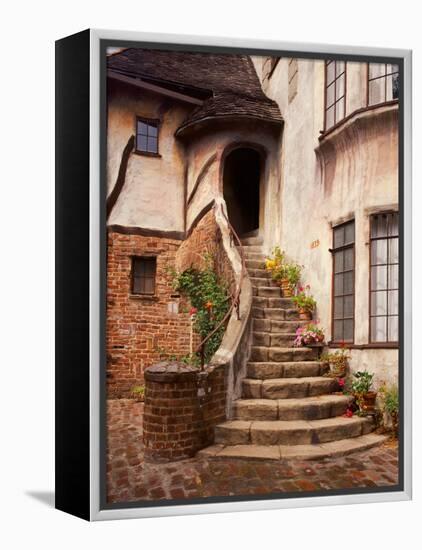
<point>205,238</point>
<point>182,407</point>
<point>138,326</point>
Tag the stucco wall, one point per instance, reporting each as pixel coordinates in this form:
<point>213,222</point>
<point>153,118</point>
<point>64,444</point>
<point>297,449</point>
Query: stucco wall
<point>210,148</point>
<point>350,173</point>
<point>153,192</point>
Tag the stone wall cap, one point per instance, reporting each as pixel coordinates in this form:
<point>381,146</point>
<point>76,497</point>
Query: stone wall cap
<point>167,371</point>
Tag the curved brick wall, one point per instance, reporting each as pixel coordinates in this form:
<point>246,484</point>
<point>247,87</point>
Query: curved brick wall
<point>182,406</point>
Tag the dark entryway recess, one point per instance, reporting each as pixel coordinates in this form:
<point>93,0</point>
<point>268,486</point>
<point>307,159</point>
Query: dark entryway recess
<point>241,179</point>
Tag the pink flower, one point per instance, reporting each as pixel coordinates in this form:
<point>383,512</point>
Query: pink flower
<point>341,382</point>
<point>193,311</point>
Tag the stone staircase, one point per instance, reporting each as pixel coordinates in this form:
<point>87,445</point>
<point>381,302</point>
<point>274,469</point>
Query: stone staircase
<point>287,409</point>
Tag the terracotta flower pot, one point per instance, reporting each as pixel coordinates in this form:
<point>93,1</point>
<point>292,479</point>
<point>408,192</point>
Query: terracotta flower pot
<point>305,314</point>
<point>286,288</point>
<point>366,401</point>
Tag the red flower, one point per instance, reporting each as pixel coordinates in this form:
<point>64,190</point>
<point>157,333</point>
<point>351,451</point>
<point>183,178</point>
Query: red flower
<point>348,413</point>
<point>341,382</point>
<point>193,311</point>
<point>301,289</point>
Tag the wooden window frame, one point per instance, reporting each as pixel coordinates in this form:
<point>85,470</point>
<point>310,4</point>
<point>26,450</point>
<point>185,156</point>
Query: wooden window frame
<point>382,343</point>
<point>154,278</point>
<point>149,122</point>
<point>384,76</point>
<point>336,99</point>
<point>333,250</point>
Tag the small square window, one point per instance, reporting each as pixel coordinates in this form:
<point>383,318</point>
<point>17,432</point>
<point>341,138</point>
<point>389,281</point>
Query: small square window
<point>147,136</point>
<point>143,275</point>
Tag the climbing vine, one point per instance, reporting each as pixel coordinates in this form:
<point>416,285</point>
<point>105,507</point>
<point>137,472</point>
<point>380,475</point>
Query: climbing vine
<point>209,298</point>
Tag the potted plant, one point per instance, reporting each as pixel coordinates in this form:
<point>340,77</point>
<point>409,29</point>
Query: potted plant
<point>138,393</point>
<point>311,335</point>
<point>305,303</point>
<point>337,362</point>
<point>390,404</point>
<point>287,276</point>
<point>273,262</point>
<point>361,389</point>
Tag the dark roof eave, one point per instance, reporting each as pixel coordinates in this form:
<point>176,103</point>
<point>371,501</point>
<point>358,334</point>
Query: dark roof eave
<point>191,126</point>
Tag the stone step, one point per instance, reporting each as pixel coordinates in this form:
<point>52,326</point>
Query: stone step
<point>288,388</point>
<point>267,325</point>
<point>268,291</point>
<point>291,432</point>
<point>254,264</point>
<point>259,272</point>
<point>273,339</point>
<point>331,449</point>
<point>270,302</point>
<point>277,314</point>
<point>264,281</point>
<point>268,354</point>
<point>254,241</point>
<point>251,248</point>
<point>295,369</point>
<point>249,255</point>
<point>308,408</point>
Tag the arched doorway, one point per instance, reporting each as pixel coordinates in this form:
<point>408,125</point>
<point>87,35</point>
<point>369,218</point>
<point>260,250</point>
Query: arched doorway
<point>241,180</point>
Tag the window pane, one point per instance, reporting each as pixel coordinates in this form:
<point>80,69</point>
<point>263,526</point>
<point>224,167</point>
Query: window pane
<point>329,117</point>
<point>340,87</point>
<point>376,91</point>
<point>379,225</point>
<point>141,143</point>
<point>393,302</point>
<point>338,284</point>
<point>393,329</point>
<point>330,71</point>
<point>348,330</point>
<point>339,110</point>
<point>379,252</point>
<point>379,278</point>
<point>338,330</point>
<point>393,276</point>
<point>393,225</point>
<point>339,67</point>
<point>389,88</point>
<point>379,303</point>
<point>339,236</point>
<point>349,233</point>
<point>149,286</point>
<point>376,70</point>
<point>396,86</point>
<point>137,281</point>
<point>392,68</point>
<point>142,128</point>
<point>348,283</point>
<point>348,307</point>
<point>338,308</point>
<point>152,130</point>
<point>348,259</point>
<point>338,262</point>
<point>393,253</point>
<point>152,145</point>
<point>330,94</point>
<point>379,329</point>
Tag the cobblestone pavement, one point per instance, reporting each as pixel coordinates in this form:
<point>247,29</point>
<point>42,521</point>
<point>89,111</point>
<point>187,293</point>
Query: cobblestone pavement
<point>130,479</point>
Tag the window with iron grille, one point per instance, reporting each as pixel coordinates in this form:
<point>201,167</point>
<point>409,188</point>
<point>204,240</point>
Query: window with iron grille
<point>146,136</point>
<point>383,82</point>
<point>335,92</point>
<point>143,275</point>
<point>343,307</point>
<point>384,278</point>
